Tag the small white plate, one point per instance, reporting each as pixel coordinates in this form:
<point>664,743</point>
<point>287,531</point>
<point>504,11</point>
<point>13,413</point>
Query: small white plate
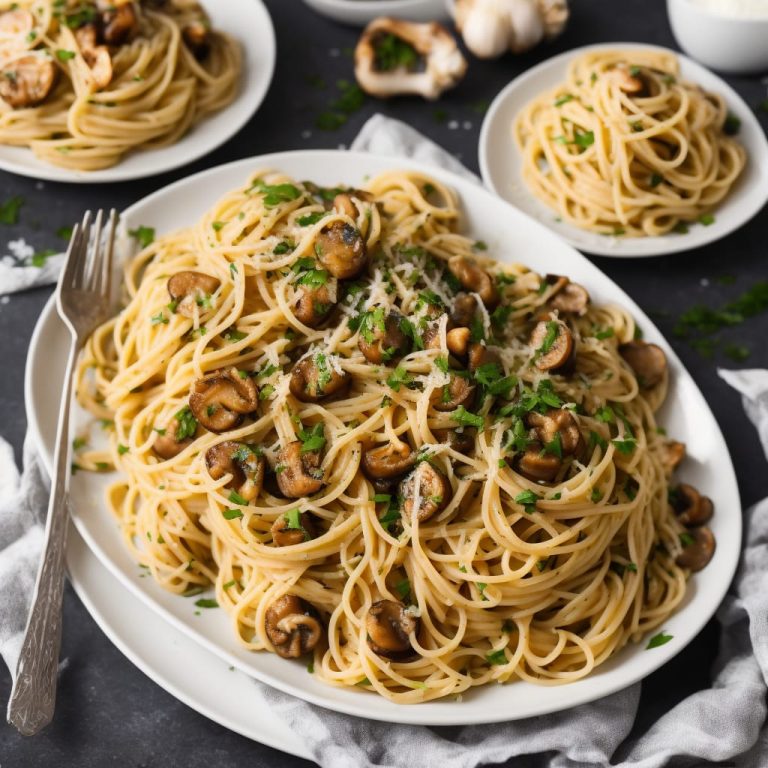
<point>511,236</point>
<point>162,652</point>
<point>360,12</point>
<point>250,24</point>
<point>501,162</point>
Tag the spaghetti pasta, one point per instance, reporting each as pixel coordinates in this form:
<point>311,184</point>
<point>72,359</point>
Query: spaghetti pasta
<point>625,147</point>
<point>402,469</point>
<point>84,83</point>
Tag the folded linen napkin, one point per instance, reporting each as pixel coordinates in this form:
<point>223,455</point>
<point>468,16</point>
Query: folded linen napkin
<point>725,722</point>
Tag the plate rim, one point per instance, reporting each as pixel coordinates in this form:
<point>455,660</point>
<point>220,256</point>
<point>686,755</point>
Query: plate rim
<point>252,94</point>
<point>445,715</point>
<point>624,249</point>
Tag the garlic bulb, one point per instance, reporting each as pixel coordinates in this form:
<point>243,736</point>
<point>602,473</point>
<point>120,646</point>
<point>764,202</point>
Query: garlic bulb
<point>492,27</point>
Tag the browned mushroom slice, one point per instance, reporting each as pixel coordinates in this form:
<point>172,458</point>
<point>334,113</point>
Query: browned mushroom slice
<point>431,338</point>
<point>293,626</point>
<point>298,473</point>
<point>167,445</point>
<point>97,57</point>
<point>119,21</point>
<point>27,81</point>
<point>314,304</point>
<point>464,309</point>
<point>648,361</point>
<point>690,506</point>
<point>189,288</point>
<point>314,378</point>
<point>341,250</point>
<point>474,279</point>
<point>629,80</point>
<point>198,39</point>
<point>461,441</point>
<point>698,550</point>
<point>292,528</point>
<point>388,461</point>
<point>570,298</point>
<point>479,355</point>
<point>538,465</point>
<point>426,491</point>
<point>457,392</point>
<point>389,626</point>
<point>344,203</point>
<point>382,337</point>
<point>554,346</point>
<point>221,399</point>
<point>672,454</point>
<point>457,341</point>
<point>240,460</point>
<point>557,428</point>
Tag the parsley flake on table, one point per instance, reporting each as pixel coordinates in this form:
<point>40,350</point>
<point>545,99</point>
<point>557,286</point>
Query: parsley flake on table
<point>9,210</point>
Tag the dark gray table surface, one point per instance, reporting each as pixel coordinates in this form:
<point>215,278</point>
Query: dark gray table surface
<point>107,709</point>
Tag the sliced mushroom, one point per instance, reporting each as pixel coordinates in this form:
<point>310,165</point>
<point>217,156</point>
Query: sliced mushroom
<point>690,506</point>
<point>344,203</point>
<point>314,378</point>
<point>568,297</point>
<point>672,454</point>
<point>627,82</point>
<point>474,279</point>
<point>383,344</point>
<point>221,399</point>
<point>189,288</point>
<point>314,305</point>
<point>293,626</point>
<point>431,337</point>
<point>388,461</point>
<point>457,341</point>
<point>648,361</point>
<point>389,626</point>
<point>480,355</point>
<point>197,38</point>
<point>240,460</point>
<point>557,424</point>
<point>96,56</point>
<point>166,446</point>
<point>341,250</point>
<point>285,532</point>
<point>426,491</point>
<point>555,349</point>
<point>458,391</point>
<point>462,441</point>
<point>27,81</point>
<point>697,554</point>
<point>298,472</point>
<point>464,309</point>
<point>538,465</point>
<point>395,57</point>
<point>119,21</point>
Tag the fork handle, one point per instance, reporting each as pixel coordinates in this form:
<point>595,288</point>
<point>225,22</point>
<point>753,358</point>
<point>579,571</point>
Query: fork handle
<point>33,696</point>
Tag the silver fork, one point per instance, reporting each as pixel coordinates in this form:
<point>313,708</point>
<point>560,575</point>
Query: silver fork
<point>83,301</point>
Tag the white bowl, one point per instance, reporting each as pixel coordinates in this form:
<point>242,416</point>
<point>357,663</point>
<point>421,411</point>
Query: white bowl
<point>360,12</point>
<point>736,44</point>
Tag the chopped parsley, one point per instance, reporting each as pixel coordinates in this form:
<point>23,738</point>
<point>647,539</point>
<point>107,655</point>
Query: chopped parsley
<point>392,52</point>
<point>312,439</point>
<point>661,639</point>
<point>206,602</point>
<point>232,514</point>
<point>496,657</point>
<point>462,416</point>
<point>275,194</point>
<point>236,498</point>
<point>527,499</point>
<point>63,55</point>
<point>403,588</point>
<point>398,378</point>
<point>143,235</point>
<point>187,424</point>
<point>310,218</point>
<point>625,446</point>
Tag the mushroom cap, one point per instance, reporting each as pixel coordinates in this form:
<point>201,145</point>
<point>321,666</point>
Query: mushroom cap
<point>166,446</point>
<point>221,399</point>
<point>314,305</point>
<point>568,297</point>
<point>341,250</point>
<point>188,286</point>
<point>426,491</point>
<point>27,80</point>
<point>292,626</point>
<point>389,626</point>
<point>700,551</point>
<point>474,279</point>
<point>388,461</point>
<point>461,442</point>
<point>285,536</point>
<point>691,508</point>
<point>672,454</point>
<point>464,309</point>
<point>197,38</point>
<point>559,356</point>
<point>388,343</point>
<point>119,21</point>
<point>537,465</point>
<point>557,422</point>
<point>241,461</point>
<point>648,362</point>
<point>444,65</point>
<point>458,391</point>
<point>301,474</point>
<point>457,340</point>
<point>311,384</point>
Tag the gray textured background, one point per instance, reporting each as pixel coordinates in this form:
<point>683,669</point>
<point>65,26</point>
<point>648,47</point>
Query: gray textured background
<point>108,711</point>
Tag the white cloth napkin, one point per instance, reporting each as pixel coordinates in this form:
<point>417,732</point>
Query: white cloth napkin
<point>724,722</point>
